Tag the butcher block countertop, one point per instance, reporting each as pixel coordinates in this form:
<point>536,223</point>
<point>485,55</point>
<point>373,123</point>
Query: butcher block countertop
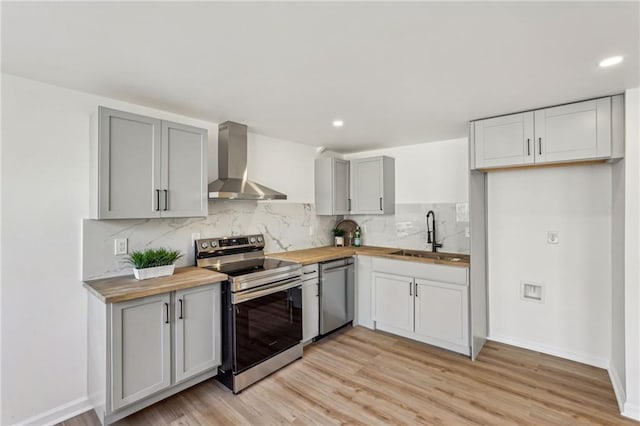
<point>323,254</point>
<point>127,287</point>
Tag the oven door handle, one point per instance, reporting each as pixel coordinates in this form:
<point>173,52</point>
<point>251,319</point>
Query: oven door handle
<point>263,291</point>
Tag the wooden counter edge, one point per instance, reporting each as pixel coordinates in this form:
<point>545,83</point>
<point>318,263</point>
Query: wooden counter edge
<point>143,288</point>
<point>315,255</point>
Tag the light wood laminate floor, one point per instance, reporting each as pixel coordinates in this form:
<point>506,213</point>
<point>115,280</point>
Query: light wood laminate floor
<point>359,376</point>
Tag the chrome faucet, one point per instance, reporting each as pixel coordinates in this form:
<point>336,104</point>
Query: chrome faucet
<point>432,232</point>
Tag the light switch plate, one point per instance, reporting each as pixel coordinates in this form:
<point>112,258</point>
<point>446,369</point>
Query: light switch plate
<point>195,236</point>
<point>120,246</point>
<point>553,237</point>
<point>462,212</point>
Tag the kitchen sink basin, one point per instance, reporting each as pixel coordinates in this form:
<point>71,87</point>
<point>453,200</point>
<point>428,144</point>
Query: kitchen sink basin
<point>450,257</point>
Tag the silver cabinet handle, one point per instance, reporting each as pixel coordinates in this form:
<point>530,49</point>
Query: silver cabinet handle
<point>539,146</point>
<point>528,147</point>
<point>166,200</point>
<point>349,200</point>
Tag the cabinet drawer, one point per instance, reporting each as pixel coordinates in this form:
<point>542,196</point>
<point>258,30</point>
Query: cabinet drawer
<point>310,271</point>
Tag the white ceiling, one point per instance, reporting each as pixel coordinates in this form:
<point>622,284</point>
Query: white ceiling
<point>396,73</point>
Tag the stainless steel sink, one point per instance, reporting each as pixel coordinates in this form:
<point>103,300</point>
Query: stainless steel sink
<point>450,257</point>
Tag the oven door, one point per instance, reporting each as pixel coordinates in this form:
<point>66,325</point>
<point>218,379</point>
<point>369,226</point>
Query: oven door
<point>267,321</point>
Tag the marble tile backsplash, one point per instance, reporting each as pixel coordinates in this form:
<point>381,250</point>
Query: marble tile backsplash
<point>407,228</point>
<point>286,226</point>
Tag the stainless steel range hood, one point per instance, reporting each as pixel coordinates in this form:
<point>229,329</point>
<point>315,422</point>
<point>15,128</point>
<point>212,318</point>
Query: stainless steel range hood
<point>232,168</point>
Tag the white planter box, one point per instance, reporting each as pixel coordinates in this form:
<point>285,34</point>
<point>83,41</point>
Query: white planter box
<point>156,271</point>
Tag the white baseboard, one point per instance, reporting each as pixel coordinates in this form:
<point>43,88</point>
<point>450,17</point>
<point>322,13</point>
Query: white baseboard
<point>58,414</point>
<point>550,350</point>
<point>618,389</point>
<point>632,411</point>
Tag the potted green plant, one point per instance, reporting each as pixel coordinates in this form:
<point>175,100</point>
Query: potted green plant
<point>152,263</point>
<point>338,236</point>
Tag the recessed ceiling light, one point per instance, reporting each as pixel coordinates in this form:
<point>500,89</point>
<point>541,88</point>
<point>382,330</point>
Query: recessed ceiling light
<point>614,60</point>
<point>338,123</point>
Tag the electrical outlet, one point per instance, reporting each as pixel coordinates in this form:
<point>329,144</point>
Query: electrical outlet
<point>553,237</point>
<point>195,236</point>
<point>311,231</point>
<point>120,246</point>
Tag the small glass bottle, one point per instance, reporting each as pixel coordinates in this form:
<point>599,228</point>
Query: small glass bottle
<point>357,241</point>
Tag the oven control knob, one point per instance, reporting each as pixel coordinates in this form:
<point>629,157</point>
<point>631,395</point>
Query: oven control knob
<point>252,240</point>
<point>204,244</point>
<point>259,239</point>
<point>213,244</point>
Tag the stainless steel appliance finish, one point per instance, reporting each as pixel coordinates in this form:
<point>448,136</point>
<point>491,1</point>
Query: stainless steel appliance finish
<point>336,294</point>
<point>262,308</point>
<point>232,168</point>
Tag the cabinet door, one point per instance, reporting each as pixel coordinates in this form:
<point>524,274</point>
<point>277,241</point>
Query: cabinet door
<point>184,171</point>
<point>441,312</point>
<point>364,292</point>
<point>341,186</point>
<point>366,186</point>
<point>393,301</point>
<point>310,309</point>
<point>129,148</point>
<point>140,349</point>
<point>504,141</point>
<point>197,330</point>
<point>579,131</point>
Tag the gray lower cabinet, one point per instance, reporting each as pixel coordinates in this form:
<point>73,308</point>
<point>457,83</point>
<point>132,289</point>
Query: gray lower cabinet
<point>363,292</point>
<point>143,167</point>
<point>140,349</point>
<point>197,331</point>
<point>393,306</point>
<point>424,302</point>
<point>441,312</point>
<point>310,303</point>
<point>143,350</point>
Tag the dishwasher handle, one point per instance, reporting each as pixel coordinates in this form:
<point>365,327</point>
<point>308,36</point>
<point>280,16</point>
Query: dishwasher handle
<point>339,268</point>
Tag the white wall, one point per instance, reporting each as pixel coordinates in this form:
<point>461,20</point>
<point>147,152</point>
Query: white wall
<point>282,165</point>
<point>575,319</point>
<point>45,195</point>
<point>433,172</point>
<point>632,252</point>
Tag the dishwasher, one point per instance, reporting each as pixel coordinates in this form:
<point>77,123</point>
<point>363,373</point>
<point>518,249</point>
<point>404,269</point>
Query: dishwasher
<point>336,294</point>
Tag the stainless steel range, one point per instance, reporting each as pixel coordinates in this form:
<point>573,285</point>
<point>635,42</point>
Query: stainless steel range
<point>262,308</point>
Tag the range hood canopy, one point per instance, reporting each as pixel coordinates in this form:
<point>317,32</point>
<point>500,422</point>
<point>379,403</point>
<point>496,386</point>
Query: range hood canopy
<point>232,168</point>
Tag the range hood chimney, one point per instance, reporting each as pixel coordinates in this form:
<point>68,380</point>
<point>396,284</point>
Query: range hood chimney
<point>232,168</point>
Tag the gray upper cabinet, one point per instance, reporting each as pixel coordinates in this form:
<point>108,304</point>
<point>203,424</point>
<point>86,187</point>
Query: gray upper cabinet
<point>581,131</point>
<point>574,132</point>
<point>142,167</point>
<point>141,349</point>
<point>373,185</point>
<point>332,186</point>
<point>184,170</point>
<point>504,141</point>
